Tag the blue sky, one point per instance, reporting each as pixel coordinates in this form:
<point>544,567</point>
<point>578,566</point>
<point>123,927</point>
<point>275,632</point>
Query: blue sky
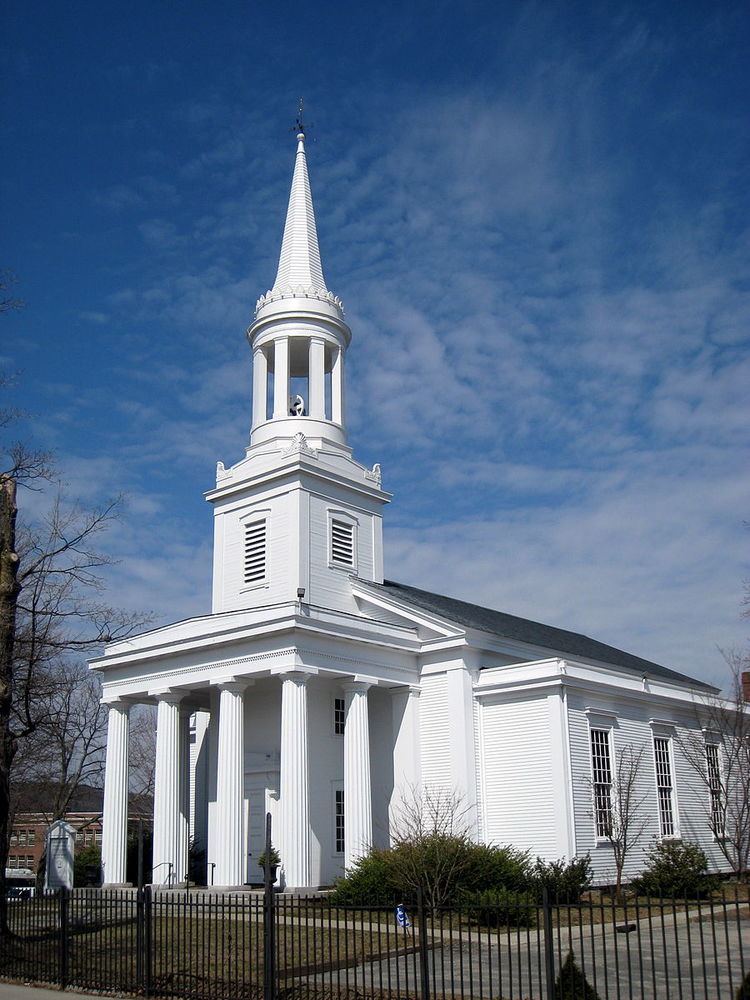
<point>537,217</point>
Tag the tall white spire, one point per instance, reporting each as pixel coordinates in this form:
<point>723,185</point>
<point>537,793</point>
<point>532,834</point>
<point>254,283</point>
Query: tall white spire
<point>299,263</point>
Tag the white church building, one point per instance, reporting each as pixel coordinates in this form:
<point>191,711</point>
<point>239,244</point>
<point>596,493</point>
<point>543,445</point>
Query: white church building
<point>318,691</point>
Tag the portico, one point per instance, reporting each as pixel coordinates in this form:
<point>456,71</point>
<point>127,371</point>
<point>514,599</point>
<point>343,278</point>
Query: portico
<point>274,717</point>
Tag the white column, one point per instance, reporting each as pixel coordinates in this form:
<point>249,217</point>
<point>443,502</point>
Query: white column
<point>184,821</point>
<point>115,816</point>
<point>294,780</point>
<point>337,388</point>
<point>260,385</point>
<point>281,378</point>
<point>230,790</point>
<point>357,793</point>
<point>167,800</point>
<point>317,378</point>
<point>407,767</point>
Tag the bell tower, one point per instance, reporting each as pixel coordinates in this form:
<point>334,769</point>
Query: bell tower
<point>299,337</point>
<point>298,517</point>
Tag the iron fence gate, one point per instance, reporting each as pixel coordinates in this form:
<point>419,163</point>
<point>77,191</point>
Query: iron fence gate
<point>248,946</point>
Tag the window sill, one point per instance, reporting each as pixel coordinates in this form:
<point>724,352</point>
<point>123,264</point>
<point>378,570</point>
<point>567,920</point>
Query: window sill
<point>254,586</point>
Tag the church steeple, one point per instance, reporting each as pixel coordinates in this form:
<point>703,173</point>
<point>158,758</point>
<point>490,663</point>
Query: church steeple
<point>299,336</point>
<point>299,263</point>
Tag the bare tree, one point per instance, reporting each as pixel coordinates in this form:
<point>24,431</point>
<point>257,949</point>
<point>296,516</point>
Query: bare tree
<point>430,841</point>
<point>50,610</point>
<point>66,750</point>
<point>618,807</point>
<point>719,755</point>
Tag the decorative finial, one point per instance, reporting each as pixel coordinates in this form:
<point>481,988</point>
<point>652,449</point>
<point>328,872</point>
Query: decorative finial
<point>299,125</point>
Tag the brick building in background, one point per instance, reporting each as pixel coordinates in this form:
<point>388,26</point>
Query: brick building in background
<point>32,819</point>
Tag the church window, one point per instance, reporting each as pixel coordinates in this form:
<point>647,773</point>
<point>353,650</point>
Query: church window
<point>339,820</point>
<point>255,552</point>
<point>342,543</point>
<point>664,786</point>
<point>339,716</point>
<point>601,762</point>
<point>713,769</point>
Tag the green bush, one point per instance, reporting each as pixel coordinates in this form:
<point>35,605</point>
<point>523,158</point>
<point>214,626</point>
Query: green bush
<point>448,869</point>
<point>565,881</point>
<point>496,868</point>
<point>368,883</point>
<point>571,984</point>
<point>675,868</point>
<point>87,866</point>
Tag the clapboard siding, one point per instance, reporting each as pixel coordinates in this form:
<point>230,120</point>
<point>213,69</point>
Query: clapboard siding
<point>631,728</point>
<point>519,797</point>
<point>329,585</point>
<point>433,722</point>
<point>236,593</point>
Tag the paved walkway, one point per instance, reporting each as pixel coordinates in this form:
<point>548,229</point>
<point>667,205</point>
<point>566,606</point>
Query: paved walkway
<point>12,991</point>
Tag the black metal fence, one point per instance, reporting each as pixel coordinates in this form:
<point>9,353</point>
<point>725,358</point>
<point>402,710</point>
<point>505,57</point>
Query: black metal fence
<point>246,945</point>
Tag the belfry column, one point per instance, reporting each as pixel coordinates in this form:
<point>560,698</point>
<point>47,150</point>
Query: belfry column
<point>115,814</point>
<point>260,383</point>
<point>167,798</point>
<point>230,790</point>
<point>294,781</point>
<point>281,378</point>
<point>357,791</point>
<point>317,378</point>
<point>337,388</point>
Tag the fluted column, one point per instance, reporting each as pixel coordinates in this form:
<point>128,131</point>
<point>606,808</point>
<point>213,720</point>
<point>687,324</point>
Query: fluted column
<point>281,378</point>
<point>167,797</point>
<point>260,385</point>
<point>294,779</point>
<point>357,792</point>
<point>317,378</point>
<point>337,388</point>
<point>230,860</point>
<point>115,815</point>
<point>184,820</point>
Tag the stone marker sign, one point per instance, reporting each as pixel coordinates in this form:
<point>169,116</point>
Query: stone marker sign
<point>61,838</point>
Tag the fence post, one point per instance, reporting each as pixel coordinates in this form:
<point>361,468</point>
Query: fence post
<point>424,967</point>
<point>269,925</point>
<point>139,939</point>
<point>64,941</point>
<point>549,946</point>
<point>147,941</point>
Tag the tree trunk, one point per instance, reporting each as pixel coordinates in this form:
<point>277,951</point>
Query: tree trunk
<point>9,591</point>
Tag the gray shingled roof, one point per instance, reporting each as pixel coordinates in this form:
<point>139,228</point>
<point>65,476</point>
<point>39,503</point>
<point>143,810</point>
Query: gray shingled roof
<point>557,640</point>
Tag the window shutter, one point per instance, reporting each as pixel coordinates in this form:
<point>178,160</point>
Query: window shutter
<point>255,552</point>
<point>342,543</point>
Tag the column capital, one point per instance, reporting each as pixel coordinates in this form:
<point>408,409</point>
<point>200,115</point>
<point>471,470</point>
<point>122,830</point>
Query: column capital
<point>357,685</point>
<point>119,704</point>
<point>173,696</point>
<point>412,689</point>
<point>295,673</point>
<point>232,683</point>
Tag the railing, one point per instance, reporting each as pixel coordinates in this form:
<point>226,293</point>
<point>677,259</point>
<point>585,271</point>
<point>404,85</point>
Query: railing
<point>201,944</point>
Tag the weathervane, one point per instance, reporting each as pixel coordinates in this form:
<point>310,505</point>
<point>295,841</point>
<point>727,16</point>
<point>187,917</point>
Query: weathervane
<point>299,126</point>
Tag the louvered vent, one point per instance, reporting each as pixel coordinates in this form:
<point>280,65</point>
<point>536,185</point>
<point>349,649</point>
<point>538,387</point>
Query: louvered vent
<point>255,552</point>
<point>342,543</point>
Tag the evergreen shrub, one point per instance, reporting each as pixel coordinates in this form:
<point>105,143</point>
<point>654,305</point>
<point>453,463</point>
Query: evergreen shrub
<point>675,868</point>
<point>448,869</point>
<point>565,881</point>
<point>571,984</point>
<point>369,882</point>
